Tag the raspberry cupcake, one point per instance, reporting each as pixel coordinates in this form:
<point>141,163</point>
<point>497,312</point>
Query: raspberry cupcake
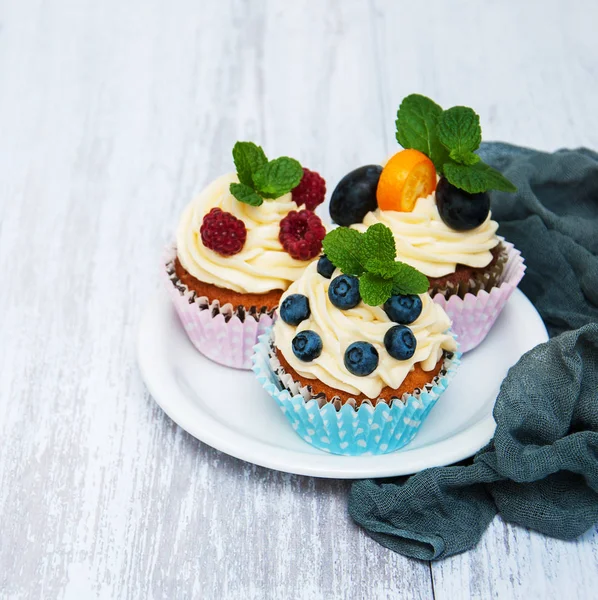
<point>360,353</point>
<point>434,197</point>
<point>239,246</point>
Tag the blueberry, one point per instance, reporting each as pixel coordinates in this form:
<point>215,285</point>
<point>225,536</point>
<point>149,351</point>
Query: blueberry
<point>307,345</point>
<point>460,210</point>
<point>355,195</point>
<point>403,309</point>
<point>325,267</point>
<point>294,309</point>
<point>344,292</point>
<point>400,342</point>
<point>361,358</point>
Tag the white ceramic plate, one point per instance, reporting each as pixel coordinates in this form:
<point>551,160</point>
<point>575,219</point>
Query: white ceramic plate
<point>230,411</point>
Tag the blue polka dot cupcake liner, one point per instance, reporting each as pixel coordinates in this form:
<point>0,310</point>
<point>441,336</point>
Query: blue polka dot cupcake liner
<point>345,429</point>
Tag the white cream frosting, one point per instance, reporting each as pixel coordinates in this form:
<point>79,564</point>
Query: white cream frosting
<point>426,243</point>
<point>340,328</point>
<point>262,265</point>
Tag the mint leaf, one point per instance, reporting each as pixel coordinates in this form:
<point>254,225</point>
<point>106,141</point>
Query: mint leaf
<point>460,132</point>
<point>248,158</point>
<point>464,158</point>
<point>243,193</point>
<point>477,178</point>
<point>379,244</point>
<point>417,122</point>
<point>379,267</point>
<point>379,250</point>
<point>374,290</point>
<point>408,280</point>
<point>277,177</point>
<point>342,246</point>
<point>261,179</point>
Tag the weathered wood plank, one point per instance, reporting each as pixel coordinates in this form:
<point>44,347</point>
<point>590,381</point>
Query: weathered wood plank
<point>511,562</point>
<point>112,115</point>
<point>123,114</point>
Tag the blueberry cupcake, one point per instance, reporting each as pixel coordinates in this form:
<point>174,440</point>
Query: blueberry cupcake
<point>433,195</point>
<point>239,246</point>
<point>360,353</point>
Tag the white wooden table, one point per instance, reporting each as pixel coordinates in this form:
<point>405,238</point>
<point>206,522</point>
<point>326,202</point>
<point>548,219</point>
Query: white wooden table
<point>112,115</point>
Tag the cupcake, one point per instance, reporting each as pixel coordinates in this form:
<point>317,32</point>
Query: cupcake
<point>239,246</point>
<point>433,195</point>
<point>360,352</point>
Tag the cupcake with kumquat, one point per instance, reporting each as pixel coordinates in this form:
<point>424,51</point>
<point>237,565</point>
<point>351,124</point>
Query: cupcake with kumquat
<point>239,245</point>
<point>360,353</point>
<point>433,195</point>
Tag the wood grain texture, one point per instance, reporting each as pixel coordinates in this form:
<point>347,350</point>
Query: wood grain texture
<point>112,115</point>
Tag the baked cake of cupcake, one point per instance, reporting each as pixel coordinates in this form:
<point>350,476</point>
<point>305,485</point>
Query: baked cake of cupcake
<point>239,246</point>
<point>360,353</point>
<point>434,196</point>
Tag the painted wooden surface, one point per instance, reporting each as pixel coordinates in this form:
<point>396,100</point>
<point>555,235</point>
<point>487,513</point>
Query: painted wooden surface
<point>112,114</point>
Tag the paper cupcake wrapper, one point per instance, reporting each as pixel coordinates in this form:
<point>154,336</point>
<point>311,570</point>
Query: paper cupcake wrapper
<point>222,334</point>
<point>474,315</point>
<point>349,431</point>
<point>488,279</point>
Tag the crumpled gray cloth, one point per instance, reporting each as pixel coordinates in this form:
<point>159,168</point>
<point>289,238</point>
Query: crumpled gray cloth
<point>541,468</point>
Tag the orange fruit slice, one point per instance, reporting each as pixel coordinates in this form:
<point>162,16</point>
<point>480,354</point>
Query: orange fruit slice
<point>407,176</point>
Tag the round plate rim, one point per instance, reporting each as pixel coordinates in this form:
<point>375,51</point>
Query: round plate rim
<point>452,449</point>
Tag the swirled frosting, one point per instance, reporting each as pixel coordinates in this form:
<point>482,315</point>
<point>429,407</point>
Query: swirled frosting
<point>340,328</point>
<point>426,243</point>
<point>262,265</point>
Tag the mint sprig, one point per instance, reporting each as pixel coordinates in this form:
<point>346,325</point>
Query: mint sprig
<point>370,256</point>
<point>459,131</point>
<point>449,138</point>
<point>417,125</point>
<point>260,178</point>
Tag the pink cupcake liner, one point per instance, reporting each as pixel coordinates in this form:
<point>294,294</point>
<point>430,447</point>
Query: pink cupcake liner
<point>474,315</point>
<point>216,331</point>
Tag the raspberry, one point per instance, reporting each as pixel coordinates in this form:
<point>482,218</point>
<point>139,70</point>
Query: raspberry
<point>301,234</point>
<point>222,232</point>
<point>310,191</point>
